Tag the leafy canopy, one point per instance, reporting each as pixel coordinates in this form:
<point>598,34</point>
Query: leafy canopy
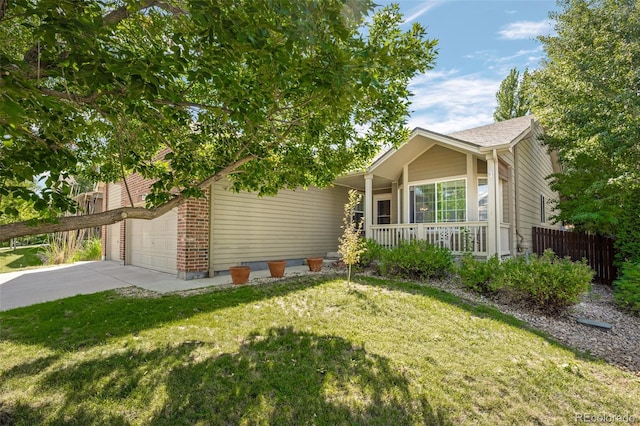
<point>513,98</point>
<point>587,95</point>
<point>272,94</point>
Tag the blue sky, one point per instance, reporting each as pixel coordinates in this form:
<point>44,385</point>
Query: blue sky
<point>479,41</point>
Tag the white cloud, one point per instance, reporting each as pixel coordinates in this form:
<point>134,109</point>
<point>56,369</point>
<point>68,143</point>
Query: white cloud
<point>416,13</point>
<point>523,30</point>
<point>445,102</point>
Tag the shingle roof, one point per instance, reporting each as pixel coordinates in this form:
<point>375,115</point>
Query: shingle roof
<point>502,132</point>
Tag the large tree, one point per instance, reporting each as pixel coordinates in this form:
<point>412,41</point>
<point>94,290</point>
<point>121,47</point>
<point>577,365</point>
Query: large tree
<point>587,95</point>
<point>513,98</point>
<point>270,94</point>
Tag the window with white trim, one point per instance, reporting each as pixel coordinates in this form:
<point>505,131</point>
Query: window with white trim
<point>543,209</point>
<point>444,201</point>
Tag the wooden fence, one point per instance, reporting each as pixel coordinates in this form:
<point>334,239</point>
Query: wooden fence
<point>597,249</point>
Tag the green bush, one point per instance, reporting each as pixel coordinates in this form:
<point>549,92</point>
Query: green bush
<point>548,281</point>
<point>373,251</point>
<point>479,275</point>
<point>416,259</point>
<point>90,249</point>
<point>627,287</point>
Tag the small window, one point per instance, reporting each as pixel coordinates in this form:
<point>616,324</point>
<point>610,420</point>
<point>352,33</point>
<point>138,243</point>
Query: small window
<point>543,209</point>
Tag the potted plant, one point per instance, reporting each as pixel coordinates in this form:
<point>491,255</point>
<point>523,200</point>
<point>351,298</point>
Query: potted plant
<point>240,274</point>
<point>314,263</point>
<point>276,268</point>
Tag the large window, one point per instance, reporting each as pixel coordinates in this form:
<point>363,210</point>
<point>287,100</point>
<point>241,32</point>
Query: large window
<point>438,202</point>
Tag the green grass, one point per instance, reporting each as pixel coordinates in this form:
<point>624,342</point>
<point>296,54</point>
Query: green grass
<point>306,351</point>
<point>20,258</point>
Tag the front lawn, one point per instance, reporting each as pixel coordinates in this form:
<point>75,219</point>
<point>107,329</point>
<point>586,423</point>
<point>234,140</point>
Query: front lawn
<point>20,258</point>
<point>306,351</point>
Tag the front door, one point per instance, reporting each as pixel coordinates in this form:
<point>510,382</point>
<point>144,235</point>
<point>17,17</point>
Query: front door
<point>382,209</point>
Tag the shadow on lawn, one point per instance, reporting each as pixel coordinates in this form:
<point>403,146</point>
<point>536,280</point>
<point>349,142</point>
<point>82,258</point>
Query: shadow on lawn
<point>282,377</point>
<point>87,320</point>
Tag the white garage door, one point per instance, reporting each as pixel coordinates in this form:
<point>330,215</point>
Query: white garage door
<point>153,243</point>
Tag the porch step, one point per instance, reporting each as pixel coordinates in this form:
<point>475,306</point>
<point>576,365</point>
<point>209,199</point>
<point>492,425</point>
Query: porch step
<point>331,258</point>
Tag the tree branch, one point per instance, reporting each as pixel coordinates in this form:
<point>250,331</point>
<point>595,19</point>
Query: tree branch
<point>69,223</point>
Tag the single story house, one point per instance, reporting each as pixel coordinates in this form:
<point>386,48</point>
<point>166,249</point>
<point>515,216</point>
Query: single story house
<point>480,190</point>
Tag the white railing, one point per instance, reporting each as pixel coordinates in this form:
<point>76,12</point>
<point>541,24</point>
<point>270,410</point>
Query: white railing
<point>459,237</point>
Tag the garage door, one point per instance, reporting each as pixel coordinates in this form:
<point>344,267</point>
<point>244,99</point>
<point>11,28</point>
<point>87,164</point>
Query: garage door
<point>153,243</point>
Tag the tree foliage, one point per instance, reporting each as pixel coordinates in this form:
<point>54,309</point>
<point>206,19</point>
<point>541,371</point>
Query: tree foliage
<point>587,96</point>
<point>513,98</point>
<point>270,94</point>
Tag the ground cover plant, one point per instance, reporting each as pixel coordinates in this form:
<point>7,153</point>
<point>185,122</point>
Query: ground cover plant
<point>302,351</point>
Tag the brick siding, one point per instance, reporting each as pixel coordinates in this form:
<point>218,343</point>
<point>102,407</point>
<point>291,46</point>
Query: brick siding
<point>192,260</point>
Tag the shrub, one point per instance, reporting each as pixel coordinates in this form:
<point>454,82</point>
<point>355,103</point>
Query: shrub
<point>416,259</point>
<point>627,287</point>
<point>479,275</point>
<point>548,281</point>
<point>373,251</point>
<point>90,249</point>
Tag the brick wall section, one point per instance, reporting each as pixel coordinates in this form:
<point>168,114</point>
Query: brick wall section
<point>193,228</point>
<point>193,239</point>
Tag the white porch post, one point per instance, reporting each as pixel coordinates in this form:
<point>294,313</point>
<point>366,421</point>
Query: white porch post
<point>368,204</point>
<point>405,195</point>
<point>493,231</point>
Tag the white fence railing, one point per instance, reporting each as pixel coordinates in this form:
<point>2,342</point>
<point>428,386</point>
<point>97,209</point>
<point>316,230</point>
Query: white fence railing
<point>459,237</point>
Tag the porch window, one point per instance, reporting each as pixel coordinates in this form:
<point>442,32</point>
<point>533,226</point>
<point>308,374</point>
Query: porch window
<point>483,200</point>
<point>358,212</point>
<point>438,202</point>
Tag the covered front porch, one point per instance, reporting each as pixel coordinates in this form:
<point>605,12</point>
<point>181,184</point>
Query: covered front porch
<point>451,193</point>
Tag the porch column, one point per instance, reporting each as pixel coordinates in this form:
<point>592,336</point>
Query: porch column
<point>405,195</point>
<point>368,204</point>
<point>493,231</point>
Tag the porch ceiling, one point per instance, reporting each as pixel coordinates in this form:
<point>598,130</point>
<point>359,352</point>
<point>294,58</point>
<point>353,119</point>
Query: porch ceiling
<point>356,181</point>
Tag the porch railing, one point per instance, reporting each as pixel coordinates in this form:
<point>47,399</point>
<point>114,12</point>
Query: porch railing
<point>459,237</point>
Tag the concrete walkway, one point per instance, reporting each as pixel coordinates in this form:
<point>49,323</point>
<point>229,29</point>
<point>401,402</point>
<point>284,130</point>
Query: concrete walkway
<point>33,286</point>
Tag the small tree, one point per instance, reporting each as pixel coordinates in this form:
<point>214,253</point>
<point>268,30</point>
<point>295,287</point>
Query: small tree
<point>351,245</point>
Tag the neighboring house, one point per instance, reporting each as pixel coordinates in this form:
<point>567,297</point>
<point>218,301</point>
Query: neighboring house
<point>480,190</point>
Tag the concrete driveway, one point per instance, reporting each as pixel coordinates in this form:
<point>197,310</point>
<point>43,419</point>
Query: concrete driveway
<point>33,286</point>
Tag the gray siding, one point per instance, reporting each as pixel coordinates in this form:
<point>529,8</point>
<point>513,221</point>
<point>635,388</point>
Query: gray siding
<point>438,162</point>
<point>292,225</point>
<point>533,165</point>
